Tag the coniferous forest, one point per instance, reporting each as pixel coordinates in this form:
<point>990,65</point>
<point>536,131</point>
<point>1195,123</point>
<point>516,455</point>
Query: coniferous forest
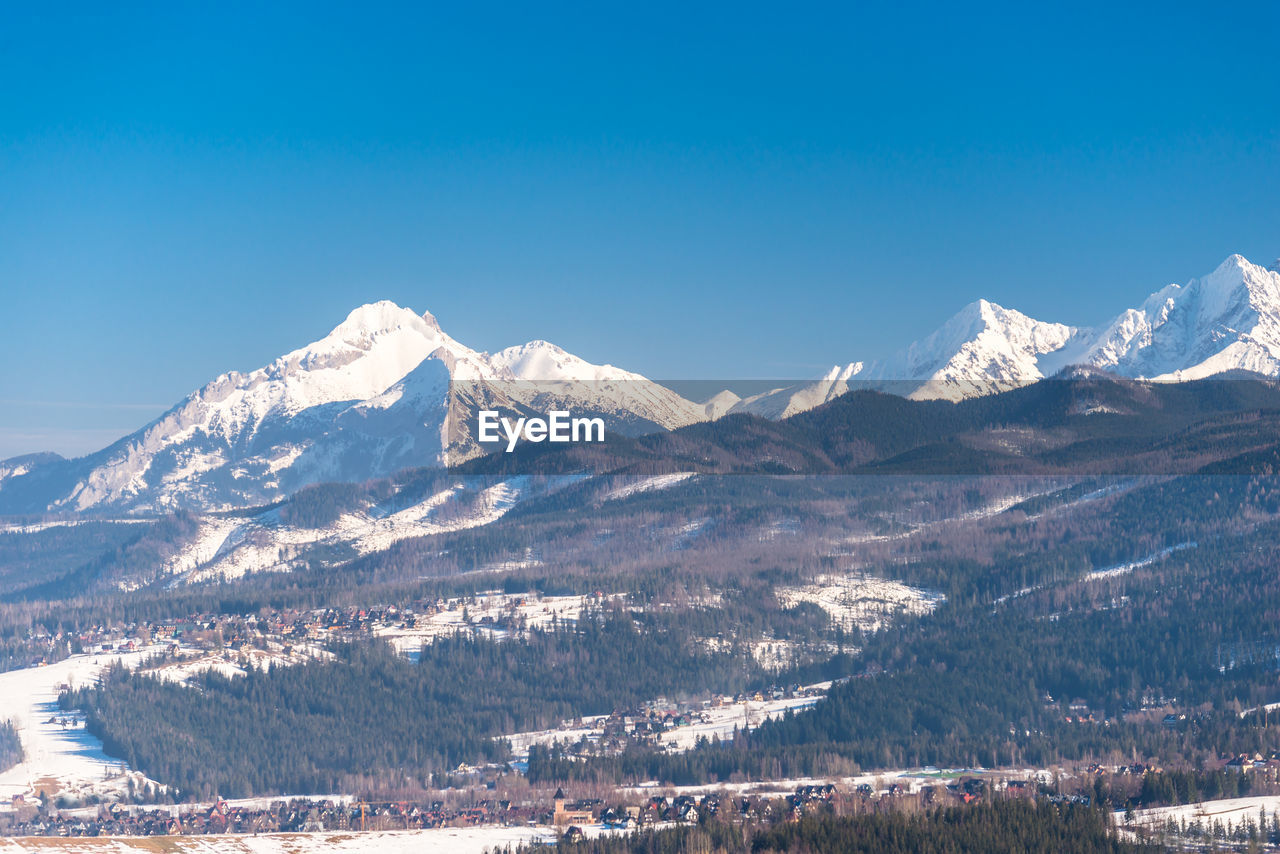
<point>368,714</point>
<point>999,827</point>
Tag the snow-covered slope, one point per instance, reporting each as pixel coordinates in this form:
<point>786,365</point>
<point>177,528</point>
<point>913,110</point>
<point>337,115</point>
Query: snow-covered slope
<point>1226,321</point>
<point>231,546</point>
<point>789,400</point>
<point>720,403</point>
<point>981,350</point>
<point>387,389</point>
<point>558,376</point>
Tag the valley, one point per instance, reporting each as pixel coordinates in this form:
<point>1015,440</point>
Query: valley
<point>308,585</point>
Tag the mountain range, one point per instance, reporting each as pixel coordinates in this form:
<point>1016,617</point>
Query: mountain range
<point>1226,321</point>
<point>388,389</point>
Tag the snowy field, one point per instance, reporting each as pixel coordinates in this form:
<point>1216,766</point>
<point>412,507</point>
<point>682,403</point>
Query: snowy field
<point>60,759</point>
<point>861,601</point>
<point>1233,810</point>
<point>190,662</point>
<point>719,721</point>
<point>483,610</point>
<point>451,840</point>
<point>722,720</point>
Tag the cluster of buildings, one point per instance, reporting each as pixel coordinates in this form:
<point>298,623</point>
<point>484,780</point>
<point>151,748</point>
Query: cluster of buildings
<point>568,817</point>
<point>241,631</point>
<point>304,815</point>
<point>652,723</point>
<point>292,816</point>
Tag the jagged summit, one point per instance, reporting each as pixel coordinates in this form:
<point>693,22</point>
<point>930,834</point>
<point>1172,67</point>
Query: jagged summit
<point>377,394</point>
<point>1226,321</point>
<point>983,348</point>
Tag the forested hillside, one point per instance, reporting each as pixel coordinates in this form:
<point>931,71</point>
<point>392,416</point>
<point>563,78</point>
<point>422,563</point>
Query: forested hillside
<point>1075,424</point>
<point>370,718</point>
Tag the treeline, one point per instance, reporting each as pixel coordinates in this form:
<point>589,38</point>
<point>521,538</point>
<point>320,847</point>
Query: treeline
<point>1015,826</point>
<point>1170,788</point>
<point>10,745</point>
<point>371,718</point>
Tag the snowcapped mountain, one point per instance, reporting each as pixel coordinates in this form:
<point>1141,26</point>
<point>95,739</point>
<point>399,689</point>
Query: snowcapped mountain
<point>1226,321</point>
<point>387,389</point>
<point>561,378</point>
<point>983,349</point>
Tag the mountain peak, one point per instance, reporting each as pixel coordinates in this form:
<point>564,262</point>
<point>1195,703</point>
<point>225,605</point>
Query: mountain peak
<point>1233,271</point>
<point>381,316</point>
<point>985,313</point>
<point>1228,320</point>
<point>1235,259</point>
<point>1236,286</point>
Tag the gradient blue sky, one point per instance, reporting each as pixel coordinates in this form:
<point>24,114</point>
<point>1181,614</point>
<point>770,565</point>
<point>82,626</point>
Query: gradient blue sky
<point>736,190</point>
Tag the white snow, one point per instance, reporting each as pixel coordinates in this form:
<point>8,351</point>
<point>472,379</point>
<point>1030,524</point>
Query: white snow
<point>983,349</point>
<point>1228,320</point>
<point>715,721</point>
<point>372,397</point>
<point>1234,810</point>
<point>191,662</point>
<point>59,759</point>
<point>720,403</point>
<point>1126,568</point>
<point>721,721</point>
<point>647,484</point>
<point>482,611</point>
<point>861,601</point>
<point>68,522</point>
<point>230,547</point>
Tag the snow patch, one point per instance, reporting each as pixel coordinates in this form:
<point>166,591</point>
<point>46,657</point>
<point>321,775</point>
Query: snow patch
<point>861,601</point>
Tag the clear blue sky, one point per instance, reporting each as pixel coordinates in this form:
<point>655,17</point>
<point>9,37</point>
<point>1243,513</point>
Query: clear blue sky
<point>736,190</point>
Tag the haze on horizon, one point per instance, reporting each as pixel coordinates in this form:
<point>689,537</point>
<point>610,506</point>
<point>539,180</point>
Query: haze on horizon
<point>724,192</point>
